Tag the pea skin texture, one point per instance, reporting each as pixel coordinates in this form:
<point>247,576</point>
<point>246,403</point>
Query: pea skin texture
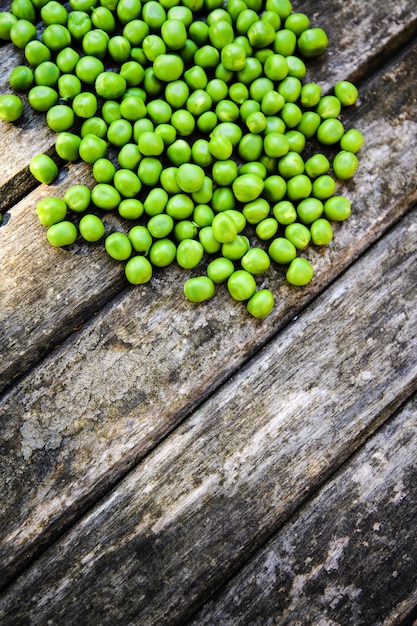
<point>194,120</point>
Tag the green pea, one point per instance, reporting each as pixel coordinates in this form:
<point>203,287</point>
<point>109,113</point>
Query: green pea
<point>207,57</point>
<point>224,172</point>
<point>132,72</point>
<point>345,165</point>
<point>51,211</point>
<point>162,252</point>
<point>230,130</point>
<point>85,104</point>
<point>180,206</point>
<point>290,88</point>
<point>7,19</point>
<point>103,170</point>
<point>200,153</point>
<point>299,187</point>
<point>118,246</point>
<point>67,146</point>
<point>309,210</point>
<point>174,34</point>
<point>60,117</point>
<point>83,5</point>
<point>22,32</point>
<point>24,9</point>
<point>183,122</point>
<point>129,156</point>
<point>274,189</point>
<point>127,183</point>
<point>94,126</point>
<point>189,253</point>
<point>310,94</point>
<point>337,208</point>
<point>92,148</point>
<point>250,147</point>
<point>285,212</point>
<point>220,147</point>
<point>241,285</point>
<point>43,168</point>
<point>261,304</point>
<point>79,24</point>
<point>77,198</point>
<point>56,37</point>
<point>266,228</point>
<point>119,48</point>
<point>167,133</point>
<point>42,98</point>
<point>207,122</point>
<point>103,18</point>
<point>329,107</point>
<point>135,31</point>
<point>110,85</point>
<point>291,114</point>
<point>309,124</point>
<point>199,289</point>
<point>276,145</point>
<point>62,234</point>
<point>223,199</point>
<point>256,210</point>
<point>138,270</point>
<point>11,107</point>
<point>140,238</point>
<point>236,249</point>
<point>271,103</point>
<point>282,251</point>
<point>238,92</point>
<point>208,240</point>
<point>352,140</point>
<point>130,208</point>
<point>66,59</point>
<point>256,122</point>
<point>21,78</point>
<point>300,272</point>
<point>245,19</point>
<point>255,261</point>
<point>224,228</point>
<point>69,86</point>
<point>291,164</point>
<point>285,42</point>
<point>220,269</point>
<point>296,140</point>
<point>168,180</point>
<point>312,42</point>
<point>298,234</point>
<point>91,228</point>
<point>36,52</point>
<point>95,43</point>
<point>185,230</point>
<point>160,225</point>
<point>317,165</point>
<point>275,124</point>
<point>346,92</point>
<point>233,57</point>
<point>105,196</point>
<point>179,152</point>
<point>119,132</point>
<point>205,193</point>
<point>149,171</point>
<point>88,68</point>
<point>128,10</point>
<point>203,215</point>
<point>247,187</point>
<point>321,232</point>
<point>323,187</point>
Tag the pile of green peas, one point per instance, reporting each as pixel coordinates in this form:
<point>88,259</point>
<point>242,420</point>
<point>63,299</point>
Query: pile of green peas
<point>200,130</point>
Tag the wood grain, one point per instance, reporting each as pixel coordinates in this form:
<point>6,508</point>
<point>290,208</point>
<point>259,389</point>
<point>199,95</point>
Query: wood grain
<point>101,401</point>
<point>347,557</point>
<point>229,476</point>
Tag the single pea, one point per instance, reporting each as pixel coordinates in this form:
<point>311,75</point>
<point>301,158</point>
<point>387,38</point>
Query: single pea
<point>203,215</point>
<point>208,240</point>
<point>274,189</point>
<point>296,67</point>
<point>138,270</point>
<point>291,164</point>
<point>205,193</point>
<point>149,171</point>
<point>233,57</point>
<point>128,10</point>
<point>329,107</point>
<point>317,165</point>
<point>132,108</point>
<point>236,249</point>
<point>51,211</point>
<point>241,285</point>
<point>223,199</point>
<point>60,117</point>
<point>259,87</point>
<point>160,225</point>
<point>298,234</point>
<point>130,208</point>
<point>321,232</point>
<point>105,196</point>
<point>245,19</point>
<point>120,132</point>
<point>337,208</point>
<point>94,126</point>
<point>118,246</point>
<point>309,124</point>
<point>310,94</point>
<point>69,86</point>
<point>220,269</point>
<point>110,85</point>
<point>168,180</point>
<point>285,42</point>
<point>92,148</point>
<point>271,103</point>
<point>162,252</point>
<point>56,37</point>
<point>247,187</point>
<point>62,234</point>
<point>119,48</point>
<point>7,19</point>
<point>230,130</point>
<point>150,144</point>
<point>159,111</point>
<point>153,46</point>
<point>88,68</point>
<point>167,133</point>
<point>220,147</point>
<point>290,88</point>
<point>185,230</point>
<point>323,187</point>
<point>179,152</point>
<point>190,177</point>
<point>53,12</point>
<point>312,42</point>
<point>91,228</point>
<point>284,212</point>
<point>200,153</point>
<point>132,72</point>
<point>238,93</point>
<point>67,146</point>
<point>22,32</point>
<point>299,187</point>
<point>199,289</point>
<point>77,198</point>
<point>282,251</point>
<point>330,131</point>
<point>103,18</point>
<point>110,111</point>
<point>346,92</point>
<point>224,228</point>
<point>129,156</point>
<point>261,304</point>
<point>135,31</point>
<point>95,43</point>
<point>309,210</point>
<point>43,168</point>
<point>21,78</point>
<point>42,98</point>
<point>85,104</point>
<point>103,170</point>
<point>256,122</point>
<point>250,147</point>
<point>266,228</point>
<point>82,5</point>
<point>291,114</point>
<point>67,60</point>
<point>224,172</point>
<point>11,107</point>
<point>255,261</point>
<point>352,140</point>
<point>207,57</point>
<point>140,238</point>
<point>127,183</point>
<point>177,93</point>
<point>206,122</point>
<point>36,52</point>
<point>296,141</point>
<point>180,206</point>
<point>345,165</point>
<point>276,144</point>
<point>189,253</point>
<point>300,272</point>
<point>47,73</point>
<point>183,122</point>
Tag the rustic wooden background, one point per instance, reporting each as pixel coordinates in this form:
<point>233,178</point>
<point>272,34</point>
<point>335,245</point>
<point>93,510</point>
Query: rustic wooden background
<point>165,463</point>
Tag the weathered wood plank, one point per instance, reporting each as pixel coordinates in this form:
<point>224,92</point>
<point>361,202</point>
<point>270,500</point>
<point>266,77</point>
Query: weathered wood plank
<point>233,472</point>
<point>348,557</point>
<point>102,401</point>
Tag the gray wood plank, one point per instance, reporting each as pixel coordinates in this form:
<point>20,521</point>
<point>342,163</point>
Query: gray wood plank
<point>233,472</point>
<point>348,557</point>
<point>101,401</point>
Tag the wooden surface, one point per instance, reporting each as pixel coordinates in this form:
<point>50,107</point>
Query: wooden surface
<point>164,463</point>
